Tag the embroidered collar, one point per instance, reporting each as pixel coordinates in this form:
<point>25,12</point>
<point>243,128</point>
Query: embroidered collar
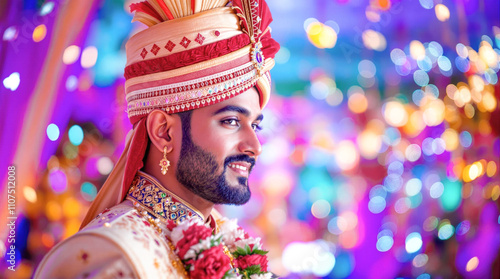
<point>160,202</point>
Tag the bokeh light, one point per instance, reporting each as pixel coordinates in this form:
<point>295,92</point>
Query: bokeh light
<point>71,54</point>
<point>47,8</point>
<point>71,83</point>
<point>398,57</point>
<point>358,103</point>
<point>385,243</point>
<point>374,40</point>
<point>75,135</point>
<point>297,257</point>
<point>472,264</point>
<point>428,4</point>
<point>377,204</point>
<point>367,69</point>
<point>104,165</point>
<point>89,57</point>
<point>52,132</point>
<point>320,209</point>
<point>395,114</point>
<point>58,181</point>
<point>346,155</point>
<point>12,81</point>
<point>452,195</point>
<point>10,33</point>
<point>29,194</point>
<point>413,152</point>
<point>413,187</point>
<point>430,223</point>
<point>417,50</point>
<point>321,35</point>
<point>442,12</point>
<point>463,228</point>
<point>39,33</point>
<point>433,112</point>
<point>436,190</point>
<point>446,231</point>
<point>420,260</point>
<point>369,143</point>
<point>88,191</point>
<point>421,78</point>
<point>413,242</point>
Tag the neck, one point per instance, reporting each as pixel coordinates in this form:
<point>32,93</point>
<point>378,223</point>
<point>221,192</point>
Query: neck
<point>169,182</point>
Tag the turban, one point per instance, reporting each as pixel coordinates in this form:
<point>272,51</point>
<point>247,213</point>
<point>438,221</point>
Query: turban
<point>193,54</point>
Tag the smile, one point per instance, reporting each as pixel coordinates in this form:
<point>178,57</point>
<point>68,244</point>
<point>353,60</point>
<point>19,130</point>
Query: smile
<point>238,167</point>
<point>241,168</point>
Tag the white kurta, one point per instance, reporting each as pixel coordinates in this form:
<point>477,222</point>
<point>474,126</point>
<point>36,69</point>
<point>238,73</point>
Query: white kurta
<point>120,243</point>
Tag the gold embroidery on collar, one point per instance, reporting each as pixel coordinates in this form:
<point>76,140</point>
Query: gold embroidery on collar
<point>160,202</point>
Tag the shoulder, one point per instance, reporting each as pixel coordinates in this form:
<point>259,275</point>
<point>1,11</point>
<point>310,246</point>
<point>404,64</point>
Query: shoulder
<point>119,240</point>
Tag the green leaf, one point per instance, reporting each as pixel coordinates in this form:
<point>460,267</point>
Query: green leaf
<point>259,252</point>
<point>240,252</point>
<point>248,249</point>
<point>253,269</point>
<point>229,274</point>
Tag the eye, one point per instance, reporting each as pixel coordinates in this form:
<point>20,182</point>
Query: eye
<point>256,127</point>
<point>231,122</point>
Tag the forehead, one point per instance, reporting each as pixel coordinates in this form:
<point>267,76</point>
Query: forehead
<point>248,100</point>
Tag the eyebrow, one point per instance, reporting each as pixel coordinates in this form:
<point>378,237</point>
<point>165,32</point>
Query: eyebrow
<point>238,109</point>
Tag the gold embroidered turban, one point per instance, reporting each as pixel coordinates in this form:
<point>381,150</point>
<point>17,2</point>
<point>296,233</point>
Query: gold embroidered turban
<point>197,53</point>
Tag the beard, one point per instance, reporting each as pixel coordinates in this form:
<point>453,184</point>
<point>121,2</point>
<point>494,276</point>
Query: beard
<point>197,171</point>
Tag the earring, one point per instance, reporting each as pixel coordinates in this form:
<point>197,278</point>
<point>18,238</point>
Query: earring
<point>164,163</point>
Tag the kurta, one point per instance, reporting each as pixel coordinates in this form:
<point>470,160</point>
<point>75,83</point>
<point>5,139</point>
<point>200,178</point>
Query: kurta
<point>120,242</point>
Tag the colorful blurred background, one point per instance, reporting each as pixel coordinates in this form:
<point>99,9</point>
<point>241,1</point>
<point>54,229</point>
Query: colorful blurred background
<point>381,143</point>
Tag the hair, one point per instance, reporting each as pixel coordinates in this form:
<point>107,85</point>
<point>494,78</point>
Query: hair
<point>185,117</point>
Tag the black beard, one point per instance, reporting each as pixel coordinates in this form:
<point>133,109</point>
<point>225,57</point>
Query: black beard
<point>197,171</point>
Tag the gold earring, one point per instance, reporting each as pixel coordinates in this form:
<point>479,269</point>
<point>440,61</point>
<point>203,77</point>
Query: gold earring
<point>164,163</point>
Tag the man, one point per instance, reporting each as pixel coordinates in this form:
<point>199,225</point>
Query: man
<point>197,80</point>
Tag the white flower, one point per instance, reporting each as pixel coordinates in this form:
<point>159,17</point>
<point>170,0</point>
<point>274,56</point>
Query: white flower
<point>230,232</point>
<point>248,241</point>
<point>205,244</point>
<point>227,225</point>
<point>191,253</point>
<point>267,275</point>
<point>233,276</point>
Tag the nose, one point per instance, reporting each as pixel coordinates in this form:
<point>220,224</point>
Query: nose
<point>249,143</point>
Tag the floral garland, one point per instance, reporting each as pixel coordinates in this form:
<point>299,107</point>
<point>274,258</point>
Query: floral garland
<point>229,253</point>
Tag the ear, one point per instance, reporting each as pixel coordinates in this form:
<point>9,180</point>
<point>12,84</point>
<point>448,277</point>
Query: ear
<point>160,129</point>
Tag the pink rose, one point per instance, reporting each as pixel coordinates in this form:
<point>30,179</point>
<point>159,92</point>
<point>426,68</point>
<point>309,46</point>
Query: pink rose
<point>249,260</point>
<point>192,236</point>
<point>211,264</point>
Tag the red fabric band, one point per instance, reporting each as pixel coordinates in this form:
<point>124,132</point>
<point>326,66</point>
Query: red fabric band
<point>188,57</point>
<point>191,76</point>
<point>135,155</point>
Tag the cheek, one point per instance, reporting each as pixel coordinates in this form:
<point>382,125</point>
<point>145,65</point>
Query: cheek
<point>215,139</point>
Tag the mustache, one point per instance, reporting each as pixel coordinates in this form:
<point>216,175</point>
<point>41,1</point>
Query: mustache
<point>240,158</point>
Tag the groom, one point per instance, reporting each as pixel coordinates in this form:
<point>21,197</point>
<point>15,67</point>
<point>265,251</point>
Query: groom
<point>196,82</point>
